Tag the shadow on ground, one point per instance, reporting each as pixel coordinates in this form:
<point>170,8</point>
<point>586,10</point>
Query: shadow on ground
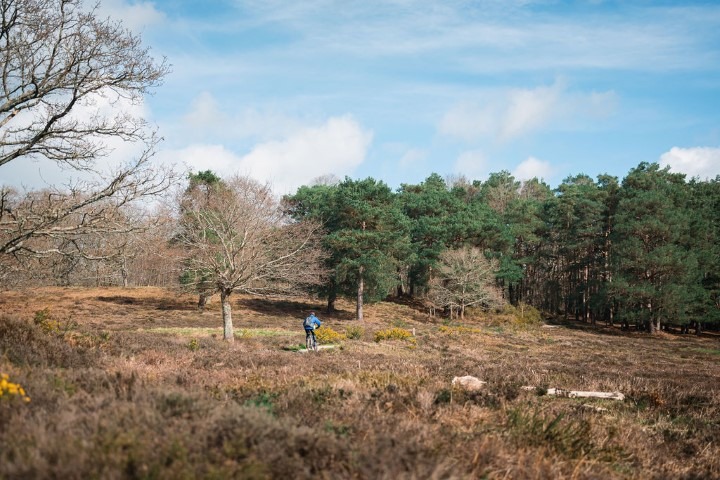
<point>292,308</point>
<point>157,303</point>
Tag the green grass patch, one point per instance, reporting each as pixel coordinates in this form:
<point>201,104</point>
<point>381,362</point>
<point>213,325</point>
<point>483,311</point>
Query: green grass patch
<point>711,351</point>
<point>295,348</point>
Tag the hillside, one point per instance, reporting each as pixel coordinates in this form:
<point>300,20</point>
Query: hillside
<point>136,383</point>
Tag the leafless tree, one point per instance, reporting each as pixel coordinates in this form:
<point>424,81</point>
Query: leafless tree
<point>465,278</point>
<point>238,239</point>
<point>65,75</point>
<point>57,58</point>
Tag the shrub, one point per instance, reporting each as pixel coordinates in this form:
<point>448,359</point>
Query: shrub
<point>11,390</point>
<point>24,343</point>
<point>399,323</point>
<point>328,335</point>
<point>566,436</point>
<point>44,320</point>
<point>193,345</point>
<point>354,332</point>
<point>523,315</point>
<point>264,400</point>
<point>393,334</point>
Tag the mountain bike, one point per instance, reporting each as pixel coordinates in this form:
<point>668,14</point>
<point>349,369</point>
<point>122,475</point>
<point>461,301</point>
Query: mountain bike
<point>311,342</point>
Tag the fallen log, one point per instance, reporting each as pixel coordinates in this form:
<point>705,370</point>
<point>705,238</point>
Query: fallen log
<point>580,394</point>
<point>592,408</point>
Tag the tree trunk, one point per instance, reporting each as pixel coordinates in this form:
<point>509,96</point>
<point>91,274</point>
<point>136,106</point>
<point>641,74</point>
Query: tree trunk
<point>651,321</point>
<point>227,315</point>
<point>202,301</point>
<point>361,291</point>
<point>124,272</point>
<point>332,297</point>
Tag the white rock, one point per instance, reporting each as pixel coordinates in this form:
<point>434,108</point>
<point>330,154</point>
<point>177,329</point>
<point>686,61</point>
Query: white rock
<point>468,383</point>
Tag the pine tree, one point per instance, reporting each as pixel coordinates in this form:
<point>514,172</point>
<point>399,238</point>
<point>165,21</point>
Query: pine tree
<point>367,241</point>
<point>655,269</point>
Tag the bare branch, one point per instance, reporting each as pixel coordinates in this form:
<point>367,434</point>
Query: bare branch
<point>56,59</point>
<point>465,278</point>
<point>65,73</point>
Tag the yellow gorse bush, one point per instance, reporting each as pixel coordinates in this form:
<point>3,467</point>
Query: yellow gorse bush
<point>9,389</point>
<point>394,334</point>
<point>328,335</point>
<point>43,318</point>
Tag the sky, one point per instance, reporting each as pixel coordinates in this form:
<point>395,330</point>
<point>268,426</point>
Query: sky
<point>289,91</point>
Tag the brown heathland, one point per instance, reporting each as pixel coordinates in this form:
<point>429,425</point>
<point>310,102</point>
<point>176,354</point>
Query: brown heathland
<point>136,383</point>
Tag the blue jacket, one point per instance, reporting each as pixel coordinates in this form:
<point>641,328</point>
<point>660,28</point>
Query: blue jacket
<point>314,321</point>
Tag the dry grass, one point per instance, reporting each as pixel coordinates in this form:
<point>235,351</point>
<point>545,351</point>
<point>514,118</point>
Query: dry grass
<point>135,383</point>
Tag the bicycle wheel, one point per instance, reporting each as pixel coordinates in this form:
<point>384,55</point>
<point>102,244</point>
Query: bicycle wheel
<point>314,343</point>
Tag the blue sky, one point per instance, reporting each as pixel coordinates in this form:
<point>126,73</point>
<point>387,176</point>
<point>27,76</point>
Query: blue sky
<point>290,91</point>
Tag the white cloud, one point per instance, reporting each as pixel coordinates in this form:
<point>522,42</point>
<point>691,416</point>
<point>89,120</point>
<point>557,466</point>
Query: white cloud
<point>528,110</point>
<point>532,168</point>
<point>472,164</point>
<point>412,157</point>
<point>200,157</point>
<point>207,119</point>
<point>468,121</point>
<point>204,112</point>
<point>336,147</point>
<point>513,113</point>
<point>703,162</point>
<point>497,35</point>
<point>134,15</point>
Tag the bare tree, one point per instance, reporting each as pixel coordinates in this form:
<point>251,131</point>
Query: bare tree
<point>238,239</point>
<point>465,278</point>
<point>56,220</point>
<point>65,75</point>
<point>57,58</point>
<point>156,261</point>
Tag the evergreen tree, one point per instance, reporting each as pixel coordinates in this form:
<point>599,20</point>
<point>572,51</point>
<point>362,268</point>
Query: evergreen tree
<point>705,229</point>
<point>655,270</point>
<point>524,224</point>
<point>368,237</point>
<point>578,220</point>
<point>440,219</point>
<point>517,220</point>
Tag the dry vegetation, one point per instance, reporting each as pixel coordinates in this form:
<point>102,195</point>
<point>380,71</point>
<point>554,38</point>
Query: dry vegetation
<point>135,383</point>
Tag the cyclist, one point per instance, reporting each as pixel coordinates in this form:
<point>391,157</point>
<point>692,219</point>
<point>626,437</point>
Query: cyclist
<point>310,324</point>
